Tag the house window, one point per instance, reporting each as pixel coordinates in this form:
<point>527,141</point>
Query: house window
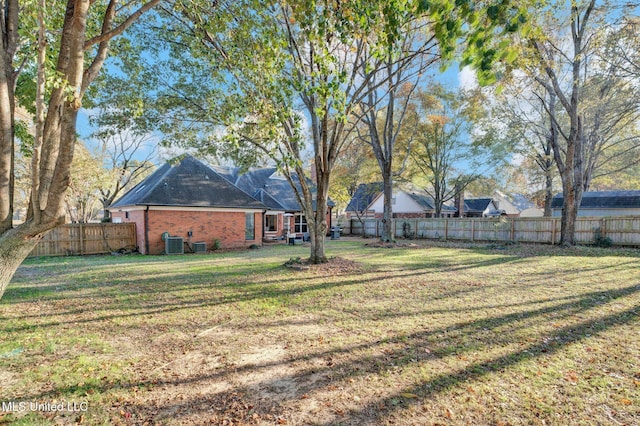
<point>271,223</point>
<point>301,224</point>
<point>250,229</point>
<point>126,215</point>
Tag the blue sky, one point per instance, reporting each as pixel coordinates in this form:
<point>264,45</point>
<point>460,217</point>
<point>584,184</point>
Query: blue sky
<point>451,78</point>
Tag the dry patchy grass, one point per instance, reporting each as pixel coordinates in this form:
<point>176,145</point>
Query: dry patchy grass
<point>428,334</point>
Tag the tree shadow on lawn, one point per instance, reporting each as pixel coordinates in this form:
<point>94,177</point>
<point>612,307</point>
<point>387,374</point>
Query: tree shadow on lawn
<point>126,285</point>
<point>373,357</point>
<point>162,281</point>
<point>546,250</point>
<point>151,306</point>
<point>171,283</point>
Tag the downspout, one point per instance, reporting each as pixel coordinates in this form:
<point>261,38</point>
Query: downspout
<point>264,224</point>
<point>146,231</point>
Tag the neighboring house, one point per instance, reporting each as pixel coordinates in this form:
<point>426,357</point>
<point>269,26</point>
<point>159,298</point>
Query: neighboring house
<point>532,212</point>
<point>511,205</point>
<point>482,207</point>
<point>368,202</point>
<point>361,200</point>
<point>603,203</point>
<point>405,204</point>
<point>190,200</point>
<point>271,188</point>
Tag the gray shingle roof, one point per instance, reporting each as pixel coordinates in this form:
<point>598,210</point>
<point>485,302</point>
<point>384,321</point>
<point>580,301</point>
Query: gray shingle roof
<point>427,203</point>
<point>274,190</point>
<point>603,199</point>
<point>188,183</point>
<point>363,197</point>
<point>476,204</point>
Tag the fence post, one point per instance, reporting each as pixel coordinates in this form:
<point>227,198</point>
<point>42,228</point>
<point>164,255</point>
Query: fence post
<point>473,226</point>
<point>553,231</point>
<point>513,229</point>
<point>446,229</point>
<point>81,233</point>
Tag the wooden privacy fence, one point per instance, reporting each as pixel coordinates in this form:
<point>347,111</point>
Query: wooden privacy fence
<point>621,230</point>
<point>86,238</point>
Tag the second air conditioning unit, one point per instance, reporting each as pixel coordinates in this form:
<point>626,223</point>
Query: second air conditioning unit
<point>200,247</point>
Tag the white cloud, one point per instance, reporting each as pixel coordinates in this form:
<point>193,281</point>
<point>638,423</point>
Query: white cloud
<point>467,79</point>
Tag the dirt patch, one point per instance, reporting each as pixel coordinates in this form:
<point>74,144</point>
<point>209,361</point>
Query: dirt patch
<point>7,379</point>
<point>334,266</point>
<point>270,376</point>
<point>397,244</point>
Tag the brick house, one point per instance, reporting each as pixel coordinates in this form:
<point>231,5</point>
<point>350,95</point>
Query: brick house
<point>271,188</point>
<point>192,201</point>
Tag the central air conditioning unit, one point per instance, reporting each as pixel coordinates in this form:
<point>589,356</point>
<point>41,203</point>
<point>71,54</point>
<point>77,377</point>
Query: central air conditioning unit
<point>200,247</point>
<point>174,245</point>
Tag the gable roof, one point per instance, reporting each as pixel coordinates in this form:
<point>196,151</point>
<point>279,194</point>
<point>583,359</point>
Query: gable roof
<point>426,202</point>
<point>266,199</point>
<point>364,196</point>
<point>476,204</point>
<point>511,203</point>
<point>273,189</point>
<point>603,200</point>
<point>188,183</point>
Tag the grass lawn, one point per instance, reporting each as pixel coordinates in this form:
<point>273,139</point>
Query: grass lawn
<point>411,335</point>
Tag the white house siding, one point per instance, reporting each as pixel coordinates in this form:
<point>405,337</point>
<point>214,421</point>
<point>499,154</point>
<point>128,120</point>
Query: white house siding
<point>403,204</point>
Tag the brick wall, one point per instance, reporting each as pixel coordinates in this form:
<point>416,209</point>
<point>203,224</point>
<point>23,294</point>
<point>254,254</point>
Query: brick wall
<point>227,227</point>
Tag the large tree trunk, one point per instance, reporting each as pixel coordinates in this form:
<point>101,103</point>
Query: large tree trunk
<point>570,163</point>
<point>548,193</point>
<point>15,246</point>
<point>8,76</point>
<point>6,141</point>
<point>387,214</point>
<point>6,154</point>
<point>569,214</point>
<point>53,148</point>
<point>318,226</point>
<point>317,234</point>
<point>106,202</point>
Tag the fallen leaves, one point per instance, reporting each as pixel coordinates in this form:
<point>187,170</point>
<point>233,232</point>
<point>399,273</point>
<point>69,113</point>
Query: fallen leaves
<point>408,395</point>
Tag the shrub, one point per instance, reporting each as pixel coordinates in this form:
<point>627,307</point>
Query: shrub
<point>406,230</point>
<point>600,240</point>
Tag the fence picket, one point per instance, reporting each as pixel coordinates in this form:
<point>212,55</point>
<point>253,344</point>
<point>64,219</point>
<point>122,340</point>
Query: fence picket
<point>621,230</point>
<point>87,238</point>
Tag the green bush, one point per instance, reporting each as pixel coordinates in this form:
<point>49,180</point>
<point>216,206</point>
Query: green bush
<point>600,240</point>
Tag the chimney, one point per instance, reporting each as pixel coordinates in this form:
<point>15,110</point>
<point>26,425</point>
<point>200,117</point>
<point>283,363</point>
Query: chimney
<point>459,200</point>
